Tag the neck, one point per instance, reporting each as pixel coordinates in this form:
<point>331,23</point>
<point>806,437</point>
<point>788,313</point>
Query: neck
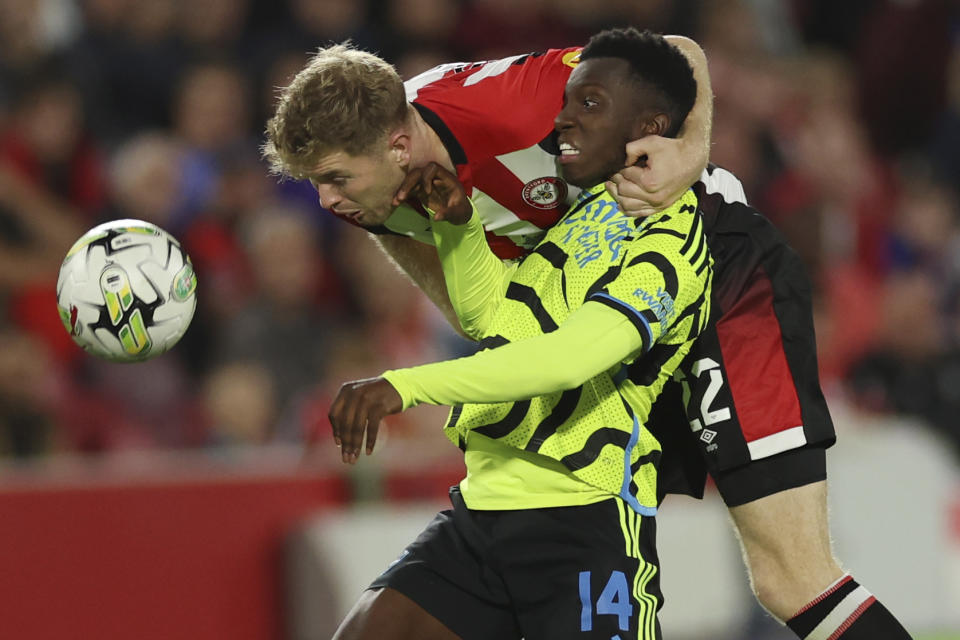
<point>426,144</point>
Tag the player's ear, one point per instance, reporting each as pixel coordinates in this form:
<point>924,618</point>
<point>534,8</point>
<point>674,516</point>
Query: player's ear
<point>399,142</point>
<point>651,124</point>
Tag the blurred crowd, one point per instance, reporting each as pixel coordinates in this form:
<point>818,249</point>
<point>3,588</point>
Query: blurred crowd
<point>841,119</point>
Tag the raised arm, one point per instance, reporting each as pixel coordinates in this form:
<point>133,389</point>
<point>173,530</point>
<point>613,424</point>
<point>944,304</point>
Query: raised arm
<point>669,166</point>
<point>422,265</point>
<point>475,277</point>
<point>697,128</point>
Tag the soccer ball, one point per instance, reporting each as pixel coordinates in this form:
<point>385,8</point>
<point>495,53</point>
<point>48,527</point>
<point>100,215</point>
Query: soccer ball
<point>126,291</point>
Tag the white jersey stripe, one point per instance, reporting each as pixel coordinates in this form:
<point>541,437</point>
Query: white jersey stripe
<point>778,442</point>
<point>532,163</point>
<point>726,184</point>
<point>414,84</point>
<point>492,69</point>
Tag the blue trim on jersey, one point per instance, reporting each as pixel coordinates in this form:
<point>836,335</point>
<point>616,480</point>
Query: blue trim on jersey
<point>625,494</point>
<point>636,314</point>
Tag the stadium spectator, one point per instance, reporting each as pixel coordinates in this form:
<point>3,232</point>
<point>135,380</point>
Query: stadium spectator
<point>240,407</point>
<point>282,326</point>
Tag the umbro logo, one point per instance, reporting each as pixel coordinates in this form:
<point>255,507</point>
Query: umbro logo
<point>708,435</point>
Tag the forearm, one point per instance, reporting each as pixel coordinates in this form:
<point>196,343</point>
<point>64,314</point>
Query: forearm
<point>476,279</point>
<point>421,264</point>
<point>698,126</point>
<point>593,339</point>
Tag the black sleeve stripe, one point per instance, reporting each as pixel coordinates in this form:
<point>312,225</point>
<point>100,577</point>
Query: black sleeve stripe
<point>698,252</point>
<point>695,230</point>
<point>609,276</point>
<point>651,458</point>
<point>561,413</point>
<point>509,422</point>
<point>529,297</point>
<point>655,231</point>
<point>492,342</point>
<point>595,443</point>
<point>695,327</point>
<point>552,254</point>
<point>645,371</point>
<point>638,318</point>
<point>454,416</point>
<point>703,263</point>
<point>690,309</point>
<point>666,268</point>
<point>649,316</point>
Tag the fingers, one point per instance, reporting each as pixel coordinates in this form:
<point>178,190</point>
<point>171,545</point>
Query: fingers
<point>357,412</point>
<point>410,183</point>
<point>636,151</point>
<point>612,188</point>
<point>348,422</point>
<point>430,184</point>
<point>634,200</point>
<point>639,151</point>
<point>373,429</point>
<point>336,410</point>
<point>429,175</point>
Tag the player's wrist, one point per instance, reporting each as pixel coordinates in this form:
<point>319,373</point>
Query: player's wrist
<point>397,380</point>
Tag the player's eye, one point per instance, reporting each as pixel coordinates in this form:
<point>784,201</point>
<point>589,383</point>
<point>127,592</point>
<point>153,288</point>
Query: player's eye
<point>334,180</point>
<point>589,103</point>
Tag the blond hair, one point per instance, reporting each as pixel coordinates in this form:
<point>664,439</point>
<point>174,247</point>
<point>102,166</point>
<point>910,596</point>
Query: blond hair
<point>343,100</point>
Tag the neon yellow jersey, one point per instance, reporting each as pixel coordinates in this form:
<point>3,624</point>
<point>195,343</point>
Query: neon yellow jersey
<point>644,285</point>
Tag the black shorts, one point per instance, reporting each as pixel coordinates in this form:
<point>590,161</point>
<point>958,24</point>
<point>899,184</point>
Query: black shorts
<point>565,572</point>
<point>746,405</point>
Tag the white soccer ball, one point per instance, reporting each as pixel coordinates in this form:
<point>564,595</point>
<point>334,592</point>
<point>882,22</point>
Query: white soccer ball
<point>126,291</point>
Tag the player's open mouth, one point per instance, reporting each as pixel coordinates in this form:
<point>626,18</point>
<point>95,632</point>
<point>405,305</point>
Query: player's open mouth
<point>568,152</point>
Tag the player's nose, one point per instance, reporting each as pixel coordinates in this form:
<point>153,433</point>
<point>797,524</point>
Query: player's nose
<point>563,120</point>
<point>329,197</point>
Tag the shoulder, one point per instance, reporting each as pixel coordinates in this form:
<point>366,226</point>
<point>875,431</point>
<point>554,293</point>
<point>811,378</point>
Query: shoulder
<point>676,235</point>
<point>719,185</point>
<point>493,74</point>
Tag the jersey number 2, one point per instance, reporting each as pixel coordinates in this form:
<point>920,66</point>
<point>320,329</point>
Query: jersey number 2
<point>706,370</point>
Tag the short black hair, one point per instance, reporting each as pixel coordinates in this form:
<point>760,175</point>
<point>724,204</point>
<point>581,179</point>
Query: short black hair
<point>654,61</point>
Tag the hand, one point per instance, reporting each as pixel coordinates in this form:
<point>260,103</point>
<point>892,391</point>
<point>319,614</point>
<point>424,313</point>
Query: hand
<point>438,190</point>
<point>657,172</point>
<point>359,407</point>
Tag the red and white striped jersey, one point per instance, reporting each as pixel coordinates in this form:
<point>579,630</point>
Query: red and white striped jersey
<point>496,119</point>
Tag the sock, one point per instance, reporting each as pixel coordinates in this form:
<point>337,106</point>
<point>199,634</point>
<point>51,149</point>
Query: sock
<point>846,611</point>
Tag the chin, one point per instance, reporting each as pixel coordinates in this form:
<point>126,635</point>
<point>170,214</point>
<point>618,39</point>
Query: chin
<point>572,177</point>
<point>583,182</point>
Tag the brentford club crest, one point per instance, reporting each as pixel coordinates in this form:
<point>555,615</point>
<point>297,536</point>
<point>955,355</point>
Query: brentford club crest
<point>545,193</point>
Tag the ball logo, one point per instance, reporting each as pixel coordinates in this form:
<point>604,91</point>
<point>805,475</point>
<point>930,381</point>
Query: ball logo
<point>184,283</point>
<point>75,326</point>
<point>545,193</point>
<point>70,319</point>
